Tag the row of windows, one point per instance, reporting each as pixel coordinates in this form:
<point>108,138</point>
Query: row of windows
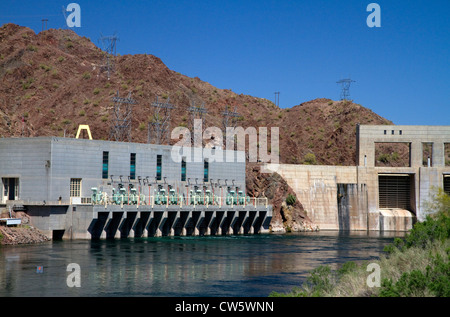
<point>400,132</point>
<point>105,167</point>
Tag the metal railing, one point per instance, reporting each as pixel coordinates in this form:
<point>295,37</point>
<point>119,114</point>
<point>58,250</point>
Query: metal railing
<point>161,199</point>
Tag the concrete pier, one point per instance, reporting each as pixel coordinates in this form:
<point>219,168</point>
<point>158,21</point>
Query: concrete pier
<point>115,222</point>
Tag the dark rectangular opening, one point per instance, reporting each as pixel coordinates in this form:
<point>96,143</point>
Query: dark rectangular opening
<point>183,169</point>
<point>447,184</point>
<point>447,154</point>
<point>205,171</point>
<point>133,166</point>
<point>105,163</point>
<point>10,188</point>
<point>57,234</point>
<point>158,167</point>
<point>396,191</point>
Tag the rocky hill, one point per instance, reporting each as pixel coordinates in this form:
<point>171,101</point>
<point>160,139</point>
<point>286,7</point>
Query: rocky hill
<point>55,80</point>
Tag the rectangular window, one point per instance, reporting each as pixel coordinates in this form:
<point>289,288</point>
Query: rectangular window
<point>105,165</point>
<point>133,166</point>
<point>183,169</point>
<point>75,187</point>
<point>158,167</point>
<point>206,171</point>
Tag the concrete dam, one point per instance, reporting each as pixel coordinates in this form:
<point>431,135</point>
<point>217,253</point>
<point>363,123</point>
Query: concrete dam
<point>371,197</point>
<point>92,189</point>
<point>85,189</point>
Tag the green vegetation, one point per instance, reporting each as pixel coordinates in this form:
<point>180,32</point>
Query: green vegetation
<point>388,157</point>
<point>86,75</point>
<point>416,265</point>
<point>290,200</point>
<point>142,126</point>
<point>46,68</point>
<point>32,48</point>
<point>26,84</point>
<point>309,159</point>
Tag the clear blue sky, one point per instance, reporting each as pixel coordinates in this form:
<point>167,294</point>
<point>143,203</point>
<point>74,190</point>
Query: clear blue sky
<point>299,48</point>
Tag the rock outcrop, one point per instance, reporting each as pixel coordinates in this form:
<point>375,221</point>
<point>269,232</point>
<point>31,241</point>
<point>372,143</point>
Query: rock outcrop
<point>276,189</point>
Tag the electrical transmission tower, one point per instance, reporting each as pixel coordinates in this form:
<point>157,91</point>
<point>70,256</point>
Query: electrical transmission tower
<point>109,47</point>
<point>197,113</point>
<point>229,120</point>
<point>121,122</point>
<point>158,128</point>
<point>345,84</point>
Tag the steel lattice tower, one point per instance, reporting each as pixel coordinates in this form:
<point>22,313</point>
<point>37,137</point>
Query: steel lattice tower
<point>345,84</point>
<point>158,128</point>
<point>197,112</point>
<point>109,46</point>
<point>121,123</point>
<point>229,120</point>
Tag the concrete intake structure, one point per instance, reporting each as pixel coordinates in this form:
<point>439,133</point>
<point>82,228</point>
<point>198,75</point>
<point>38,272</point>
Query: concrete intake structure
<point>83,189</point>
<point>370,197</point>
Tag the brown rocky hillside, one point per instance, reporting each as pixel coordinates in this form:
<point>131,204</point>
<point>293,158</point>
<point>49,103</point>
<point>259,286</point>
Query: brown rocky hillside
<point>54,80</point>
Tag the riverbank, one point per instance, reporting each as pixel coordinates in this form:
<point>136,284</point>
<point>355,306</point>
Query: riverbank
<point>416,266</point>
<point>21,235</point>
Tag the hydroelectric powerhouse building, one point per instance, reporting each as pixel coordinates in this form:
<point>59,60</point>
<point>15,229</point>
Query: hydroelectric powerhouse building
<point>83,189</point>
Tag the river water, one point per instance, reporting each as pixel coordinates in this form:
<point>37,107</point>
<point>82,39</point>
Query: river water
<point>213,266</point>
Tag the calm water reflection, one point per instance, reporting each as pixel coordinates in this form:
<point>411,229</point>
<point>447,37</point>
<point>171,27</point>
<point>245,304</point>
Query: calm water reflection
<point>180,266</point>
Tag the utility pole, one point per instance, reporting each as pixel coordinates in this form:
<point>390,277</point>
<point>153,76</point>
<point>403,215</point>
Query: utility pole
<point>44,24</point>
<point>277,98</point>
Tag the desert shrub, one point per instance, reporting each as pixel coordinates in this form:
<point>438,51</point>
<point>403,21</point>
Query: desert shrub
<point>290,200</point>
<point>310,159</point>
<point>435,281</point>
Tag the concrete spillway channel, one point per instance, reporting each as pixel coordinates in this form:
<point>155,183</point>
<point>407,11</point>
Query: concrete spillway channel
<point>130,221</point>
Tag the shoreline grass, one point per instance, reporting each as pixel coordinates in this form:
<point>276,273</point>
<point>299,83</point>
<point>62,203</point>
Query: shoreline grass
<point>416,266</point>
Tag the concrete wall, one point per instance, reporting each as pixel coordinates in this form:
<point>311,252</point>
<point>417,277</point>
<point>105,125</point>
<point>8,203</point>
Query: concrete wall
<point>317,189</point>
<point>368,135</point>
<point>45,166</point>
<point>29,160</point>
<point>347,197</point>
